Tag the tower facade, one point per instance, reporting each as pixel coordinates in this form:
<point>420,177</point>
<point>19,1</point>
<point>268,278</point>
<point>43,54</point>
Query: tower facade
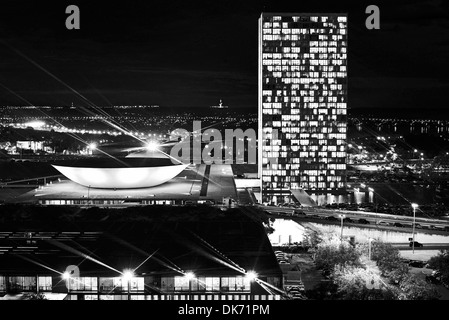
<point>302,106</point>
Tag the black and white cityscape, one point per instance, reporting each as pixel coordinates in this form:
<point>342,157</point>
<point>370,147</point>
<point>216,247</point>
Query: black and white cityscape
<point>253,151</point>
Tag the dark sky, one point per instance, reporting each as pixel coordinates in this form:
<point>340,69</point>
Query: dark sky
<point>191,53</point>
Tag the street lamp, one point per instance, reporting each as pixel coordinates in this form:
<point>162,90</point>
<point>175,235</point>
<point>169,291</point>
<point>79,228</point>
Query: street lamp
<point>374,198</point>
<point>127,276</point>
<point>66,277</point>
<point>92,146</point>
<point>342,216</point>
<point>189,276</point>
<point>414,206</point>
<point>369,248</point>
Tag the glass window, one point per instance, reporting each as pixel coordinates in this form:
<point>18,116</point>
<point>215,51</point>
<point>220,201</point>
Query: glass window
<point>182,284</point>
<point>83,284</point>
<point>2,284</point>
<point>22,283</point>
<point>167,283</point>
<point>44,283</point>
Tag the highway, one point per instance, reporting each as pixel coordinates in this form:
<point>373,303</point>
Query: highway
<point>356,216</point>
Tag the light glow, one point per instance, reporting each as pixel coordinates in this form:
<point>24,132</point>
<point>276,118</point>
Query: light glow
<point>127,275</point>
<point>152,146</point>
<point>189,275</point>
<point>251,275</point>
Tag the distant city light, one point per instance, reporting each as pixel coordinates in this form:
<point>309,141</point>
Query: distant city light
<point>35,124</point>
<point>92,146</point>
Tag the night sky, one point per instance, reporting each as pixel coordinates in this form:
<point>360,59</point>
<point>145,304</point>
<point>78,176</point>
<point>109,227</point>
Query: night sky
<point>192,53</point>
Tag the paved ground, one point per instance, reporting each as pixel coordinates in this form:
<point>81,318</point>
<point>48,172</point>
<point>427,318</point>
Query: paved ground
<point>420,255</point>
<point>422,272</point>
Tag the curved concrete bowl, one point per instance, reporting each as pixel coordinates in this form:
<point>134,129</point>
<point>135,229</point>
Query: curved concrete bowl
<point>121,178</point>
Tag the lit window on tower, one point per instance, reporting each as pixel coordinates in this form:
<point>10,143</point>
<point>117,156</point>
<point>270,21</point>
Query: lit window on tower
<point>302,104</point>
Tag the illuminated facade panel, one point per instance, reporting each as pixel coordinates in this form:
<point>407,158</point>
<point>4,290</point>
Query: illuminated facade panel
<point>302,104</point>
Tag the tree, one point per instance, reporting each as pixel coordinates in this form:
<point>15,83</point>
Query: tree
<point>387,257</point>
<point>34,296</point>
<point>415,288</point>
<point>441,264</point>
<point>331,251</point>
<point>311,238</point>
<point>357,283</point>
<point>398,274</point>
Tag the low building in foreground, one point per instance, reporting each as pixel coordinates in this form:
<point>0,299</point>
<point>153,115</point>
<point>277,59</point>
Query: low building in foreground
<point>145,253</point>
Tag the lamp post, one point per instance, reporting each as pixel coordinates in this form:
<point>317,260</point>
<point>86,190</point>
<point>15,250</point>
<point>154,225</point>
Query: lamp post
<point>66,277</point>
<point>342,216</point>
<point>414,206</point>
<point>374,198</point>
<point>369,248</point>
<point>190,276</point>
<point>127,276</point>
<point>88,194</point>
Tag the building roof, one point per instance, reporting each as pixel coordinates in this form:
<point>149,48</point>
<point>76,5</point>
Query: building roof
<point>156,239</point>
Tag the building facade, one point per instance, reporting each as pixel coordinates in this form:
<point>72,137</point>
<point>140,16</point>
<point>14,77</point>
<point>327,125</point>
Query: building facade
<point>137,288</point>
<point>302,106</point>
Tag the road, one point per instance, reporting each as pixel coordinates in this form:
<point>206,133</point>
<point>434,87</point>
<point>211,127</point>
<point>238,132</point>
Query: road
<point>380,219</point>
<point>430,246</point>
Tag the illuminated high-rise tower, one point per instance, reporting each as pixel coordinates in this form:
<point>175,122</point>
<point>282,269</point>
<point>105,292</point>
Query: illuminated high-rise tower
<point>302,106</point>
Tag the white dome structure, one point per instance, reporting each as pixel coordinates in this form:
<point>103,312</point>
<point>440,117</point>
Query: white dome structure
<point>123,174</point>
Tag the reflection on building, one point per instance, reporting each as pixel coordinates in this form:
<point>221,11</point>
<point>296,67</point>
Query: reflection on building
<point>302,105</point>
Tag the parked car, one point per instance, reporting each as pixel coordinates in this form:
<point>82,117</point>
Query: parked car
<point>298,296</point>
<point>299,288</point>
<point>398,225</point>
<point>432,279</point>
<point>417,264</point>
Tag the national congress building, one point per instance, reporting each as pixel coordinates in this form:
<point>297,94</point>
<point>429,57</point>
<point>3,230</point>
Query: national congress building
<point>302,106</point>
